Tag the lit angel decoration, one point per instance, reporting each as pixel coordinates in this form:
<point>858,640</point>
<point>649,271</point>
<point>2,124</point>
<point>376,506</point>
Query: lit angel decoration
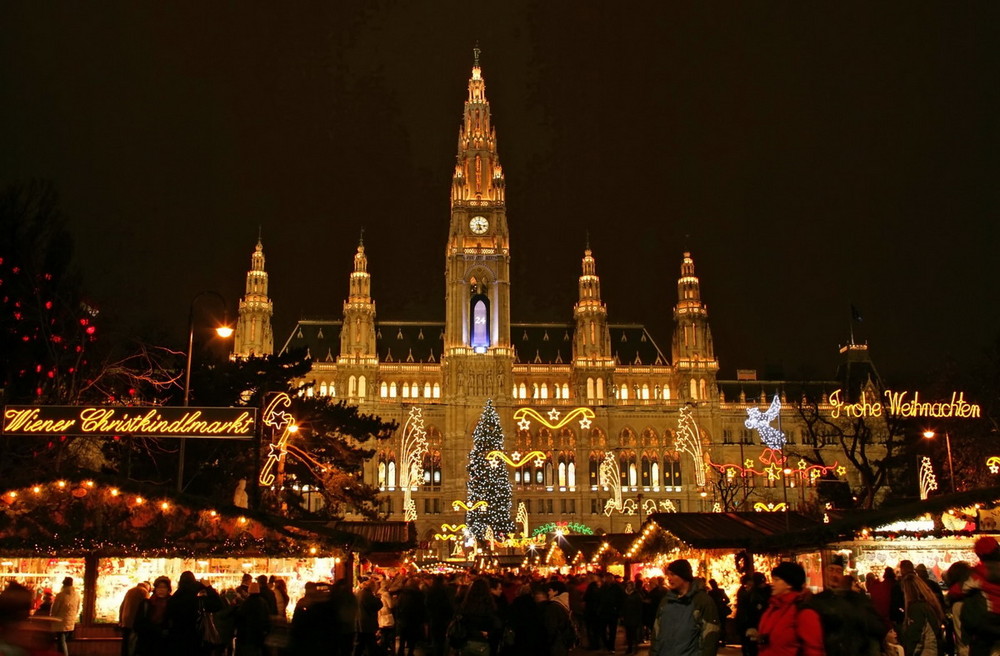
<point>761,422</point>
<point>650,506</point>
<point>609,476</point>
<point>689,441</point>
<point>414,448</point>
<point>928,481</point>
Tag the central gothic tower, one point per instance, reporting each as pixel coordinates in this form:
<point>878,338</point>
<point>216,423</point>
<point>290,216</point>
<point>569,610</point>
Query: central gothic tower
<point>478,357</point>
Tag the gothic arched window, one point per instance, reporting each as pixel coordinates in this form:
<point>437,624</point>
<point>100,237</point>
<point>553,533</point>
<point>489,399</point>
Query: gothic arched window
<point>479,330</point>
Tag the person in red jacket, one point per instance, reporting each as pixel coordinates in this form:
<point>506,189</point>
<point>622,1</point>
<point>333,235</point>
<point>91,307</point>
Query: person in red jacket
<point>787,628</point>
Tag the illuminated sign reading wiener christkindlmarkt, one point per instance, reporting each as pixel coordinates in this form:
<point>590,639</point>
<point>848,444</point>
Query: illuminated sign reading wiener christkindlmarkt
<point>57,420</point>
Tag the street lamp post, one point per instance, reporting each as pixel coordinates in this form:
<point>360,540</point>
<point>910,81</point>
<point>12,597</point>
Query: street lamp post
<point>224,331</point>
<point>929,434</point>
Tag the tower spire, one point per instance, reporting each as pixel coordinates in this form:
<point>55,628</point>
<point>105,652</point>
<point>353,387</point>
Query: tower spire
<point>692,349</point>
<point>357,338</point>
<point>254,335</point>
<point>478,174</point>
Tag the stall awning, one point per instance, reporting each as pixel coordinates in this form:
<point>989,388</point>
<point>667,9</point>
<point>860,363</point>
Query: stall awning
<point>849,523</point>
<point>732,530</point>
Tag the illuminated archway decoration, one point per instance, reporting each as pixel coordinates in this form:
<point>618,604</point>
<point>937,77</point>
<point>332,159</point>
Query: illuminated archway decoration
<point>760,506</point>
<point>689,441</point>
<point>928,481</point>
<point>458,504</point>
<point>993,462</point>
<point>565,527</point>
<point>761,422</point>
<point>413,450</point>
<point>515,459</point>
<point>555,420</point>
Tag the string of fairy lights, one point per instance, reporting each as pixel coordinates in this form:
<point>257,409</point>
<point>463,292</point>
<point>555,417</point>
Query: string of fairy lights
<point>119,520</point>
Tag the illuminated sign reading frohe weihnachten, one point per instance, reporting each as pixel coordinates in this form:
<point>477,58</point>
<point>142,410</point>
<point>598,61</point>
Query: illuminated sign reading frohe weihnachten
<point>898,405</point>
<point>55,420</point>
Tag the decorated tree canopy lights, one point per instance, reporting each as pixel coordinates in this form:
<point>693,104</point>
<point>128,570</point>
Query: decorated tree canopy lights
<point>487,483</point>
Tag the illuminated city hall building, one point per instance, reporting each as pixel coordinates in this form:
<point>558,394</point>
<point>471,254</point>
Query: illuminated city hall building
<point>586,394</point>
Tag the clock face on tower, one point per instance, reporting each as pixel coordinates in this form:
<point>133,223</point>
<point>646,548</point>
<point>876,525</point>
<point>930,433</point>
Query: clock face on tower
<point>479,225</point>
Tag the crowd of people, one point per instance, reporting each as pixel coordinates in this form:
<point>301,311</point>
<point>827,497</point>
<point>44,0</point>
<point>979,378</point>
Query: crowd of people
<point>902,613</point>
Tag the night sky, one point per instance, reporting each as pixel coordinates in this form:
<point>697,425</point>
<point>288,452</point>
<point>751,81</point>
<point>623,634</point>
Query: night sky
<point>810,157</point>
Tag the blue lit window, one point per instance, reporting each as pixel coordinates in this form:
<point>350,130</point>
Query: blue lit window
<point>480,329</point>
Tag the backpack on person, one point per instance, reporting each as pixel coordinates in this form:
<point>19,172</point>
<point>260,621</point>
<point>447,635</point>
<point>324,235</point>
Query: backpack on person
<point>566,628</point>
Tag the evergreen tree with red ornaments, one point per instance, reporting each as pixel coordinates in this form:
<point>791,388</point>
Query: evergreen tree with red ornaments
<point>488,479</point>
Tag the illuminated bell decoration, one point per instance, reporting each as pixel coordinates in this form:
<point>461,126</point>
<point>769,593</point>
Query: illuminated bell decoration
<point>761,422</point>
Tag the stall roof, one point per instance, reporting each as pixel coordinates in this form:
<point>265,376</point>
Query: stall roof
<point>587,545</point>
<point>851,523</point>
<point>380,536</point>
<point>732,530</point>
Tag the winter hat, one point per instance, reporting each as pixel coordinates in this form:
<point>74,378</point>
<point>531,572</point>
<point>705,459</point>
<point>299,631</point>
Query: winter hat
<point>790,573</point>
<point>986,546</point>
<point>682,569</point>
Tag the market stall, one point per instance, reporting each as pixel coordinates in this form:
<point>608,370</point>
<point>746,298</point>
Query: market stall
<point>720,546</point>
<point>108,537</point>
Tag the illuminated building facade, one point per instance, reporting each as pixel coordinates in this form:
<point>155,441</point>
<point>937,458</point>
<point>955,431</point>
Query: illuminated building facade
<point>635,411</point>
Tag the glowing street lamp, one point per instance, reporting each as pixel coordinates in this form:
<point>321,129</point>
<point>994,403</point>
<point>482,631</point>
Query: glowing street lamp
<point>929,434</point>
<point>225,331</point>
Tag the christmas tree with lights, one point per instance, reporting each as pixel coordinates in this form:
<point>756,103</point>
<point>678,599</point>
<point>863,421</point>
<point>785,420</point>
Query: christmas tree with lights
<point>488,480</point>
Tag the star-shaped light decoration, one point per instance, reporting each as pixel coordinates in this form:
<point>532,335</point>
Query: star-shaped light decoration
<point>554,415</point>
<point>274,450</point>
<point>539,461</point>
<point>516,456</point>
<point>585,423</point>
<point>993,462</point>
<point>773,472</point>
<point>841,470</point>
<point>524,424</point>
<point>748,463</point>
<point>494,462</point>
<point>803,464</point>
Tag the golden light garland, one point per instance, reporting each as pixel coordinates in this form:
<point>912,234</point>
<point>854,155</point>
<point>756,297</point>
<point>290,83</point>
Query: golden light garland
<point>452,527</point>
<point>760,506</point>
<point>459,504</point>
<point>556,420</point>
<point>515,460</point>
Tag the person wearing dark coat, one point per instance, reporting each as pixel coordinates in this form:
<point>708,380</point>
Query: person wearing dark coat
<point>253,623</point>
<point>440,610</point>
<point>524,618</point>
<point>480,615</point>
<point>851,624</point>
<point>609,610</point>
<point>312,620</point>
<point>651,603</point>
<point>751,601</point>
<point>555,622</point>
<point>267,594</point>
<point>183,608</point>
<point>411,616</point>
<point>591,616</point>
<point>151,621</point>
<point>368,607</point>
<point>632,616</point>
